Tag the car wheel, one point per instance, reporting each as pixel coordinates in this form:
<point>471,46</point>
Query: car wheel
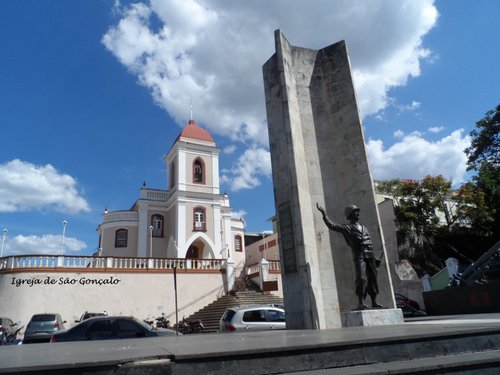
<point>3,340</point>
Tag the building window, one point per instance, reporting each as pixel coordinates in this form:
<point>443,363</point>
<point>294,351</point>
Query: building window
<point>121,238</point>
<point>157,223</point>
<point>199,217</point>
<point>237,244</point>
<point>198,171</point>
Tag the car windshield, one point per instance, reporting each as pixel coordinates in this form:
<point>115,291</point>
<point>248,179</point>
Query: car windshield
<point>43,318</point>
<point>145,325</point>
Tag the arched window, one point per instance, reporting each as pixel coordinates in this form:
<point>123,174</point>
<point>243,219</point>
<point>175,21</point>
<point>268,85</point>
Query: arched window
<point>121,238</point>
<point>198,171</point>
<point>199,219</point>
<point>157,223</point>
<point>238,243</point>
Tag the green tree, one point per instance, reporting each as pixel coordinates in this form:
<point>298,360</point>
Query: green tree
<point>485,144</point>
<point>484,158</point>
<point>419,204</point>
<point>421,209</point>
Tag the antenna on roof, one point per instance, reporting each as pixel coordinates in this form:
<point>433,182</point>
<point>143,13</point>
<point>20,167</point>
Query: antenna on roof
<point>191,110</point>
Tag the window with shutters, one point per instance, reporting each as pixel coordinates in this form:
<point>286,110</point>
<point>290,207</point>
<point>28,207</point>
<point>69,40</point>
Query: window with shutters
<point>199,215</point>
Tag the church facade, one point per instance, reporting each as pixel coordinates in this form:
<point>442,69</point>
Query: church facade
<point>190,219</point>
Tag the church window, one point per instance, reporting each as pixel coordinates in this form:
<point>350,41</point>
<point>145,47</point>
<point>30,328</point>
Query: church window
<point>198,171</point>
<point>200,223</point>
<point>121,238</point>
<point>157,223</point>
<point>237,243</point>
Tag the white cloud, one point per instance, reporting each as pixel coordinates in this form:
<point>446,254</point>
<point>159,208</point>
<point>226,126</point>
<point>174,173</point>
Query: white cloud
<point>413,106</point>
<point>240,214</point>
<point>212,52</point>
<point>46,244</point>
<point>244,174</point>
<point>229,149</point>
<point>399,133</point>
<point>436,129</point>
<point>25,187</point>
<point>415,157</point>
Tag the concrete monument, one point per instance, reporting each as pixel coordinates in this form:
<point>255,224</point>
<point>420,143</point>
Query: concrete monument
<point>318,155</point>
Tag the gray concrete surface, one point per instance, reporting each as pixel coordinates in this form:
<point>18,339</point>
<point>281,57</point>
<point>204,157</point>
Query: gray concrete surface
<point>271,351</point>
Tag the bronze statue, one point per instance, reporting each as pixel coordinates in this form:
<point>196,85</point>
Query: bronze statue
<point>365,262</point>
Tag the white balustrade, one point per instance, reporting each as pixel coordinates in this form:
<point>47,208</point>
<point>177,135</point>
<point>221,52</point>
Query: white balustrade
<point>51,262</point>
<point>121,216</point>
<point>274,265</point>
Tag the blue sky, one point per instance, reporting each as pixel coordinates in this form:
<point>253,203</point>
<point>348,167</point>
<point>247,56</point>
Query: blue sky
<point>93,94</point>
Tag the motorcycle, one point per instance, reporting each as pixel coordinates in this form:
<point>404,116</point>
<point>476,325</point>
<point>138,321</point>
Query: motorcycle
<point>162,322</point>
<point>12,338</point>
<point>149,321</point>
<point>191,326</point>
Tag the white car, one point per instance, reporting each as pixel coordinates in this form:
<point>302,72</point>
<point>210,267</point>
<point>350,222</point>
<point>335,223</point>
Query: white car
<point>252,318</point>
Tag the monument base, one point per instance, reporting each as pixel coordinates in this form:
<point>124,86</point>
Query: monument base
<point>379,317</point>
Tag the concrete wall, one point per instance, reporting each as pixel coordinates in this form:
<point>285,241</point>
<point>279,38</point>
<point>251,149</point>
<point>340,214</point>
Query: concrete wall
<point>141,294</point>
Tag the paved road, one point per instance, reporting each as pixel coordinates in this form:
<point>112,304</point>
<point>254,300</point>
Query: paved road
<point>47,355</point>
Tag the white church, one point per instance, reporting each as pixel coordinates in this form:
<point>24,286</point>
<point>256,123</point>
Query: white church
<point>191,219</point>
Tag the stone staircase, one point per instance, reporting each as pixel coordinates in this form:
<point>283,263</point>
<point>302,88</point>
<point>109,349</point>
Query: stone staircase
<point>211,314</point>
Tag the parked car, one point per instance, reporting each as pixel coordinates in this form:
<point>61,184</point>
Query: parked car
<point>41,327</point>
<point>87,315</point>
<point>8,330</point>
<point>409,307</point>
<point>252,318</point>
<point>110,327</point>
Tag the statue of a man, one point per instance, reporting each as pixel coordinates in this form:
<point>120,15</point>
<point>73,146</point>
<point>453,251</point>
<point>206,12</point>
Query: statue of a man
<point>365,263</point>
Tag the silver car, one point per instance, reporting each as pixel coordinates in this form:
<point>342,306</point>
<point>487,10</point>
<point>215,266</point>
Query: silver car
<point>42,326</point>
<point>252,318</point>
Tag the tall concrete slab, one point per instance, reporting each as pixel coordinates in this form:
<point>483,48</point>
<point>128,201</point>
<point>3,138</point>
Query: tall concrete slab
<point>318,155</point>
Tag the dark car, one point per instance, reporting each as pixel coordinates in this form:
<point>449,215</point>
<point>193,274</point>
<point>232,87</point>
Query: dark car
<point>409,307</point>
<point>41,327</point>
<point>108,328</point>
<point>8,330</point>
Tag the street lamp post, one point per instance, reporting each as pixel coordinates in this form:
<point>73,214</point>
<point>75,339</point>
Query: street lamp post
<point>63,235</point>
<point>5,231</point>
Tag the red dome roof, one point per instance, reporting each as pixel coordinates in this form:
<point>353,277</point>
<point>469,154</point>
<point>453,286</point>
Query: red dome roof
<point>193,131</point>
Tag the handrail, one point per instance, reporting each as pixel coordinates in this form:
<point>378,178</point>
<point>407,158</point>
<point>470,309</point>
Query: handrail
<point>222,288</point>
<point>224,285</point>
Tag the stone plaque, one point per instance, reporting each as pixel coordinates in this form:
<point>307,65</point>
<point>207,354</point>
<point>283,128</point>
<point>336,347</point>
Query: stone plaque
<point>286,238</point>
